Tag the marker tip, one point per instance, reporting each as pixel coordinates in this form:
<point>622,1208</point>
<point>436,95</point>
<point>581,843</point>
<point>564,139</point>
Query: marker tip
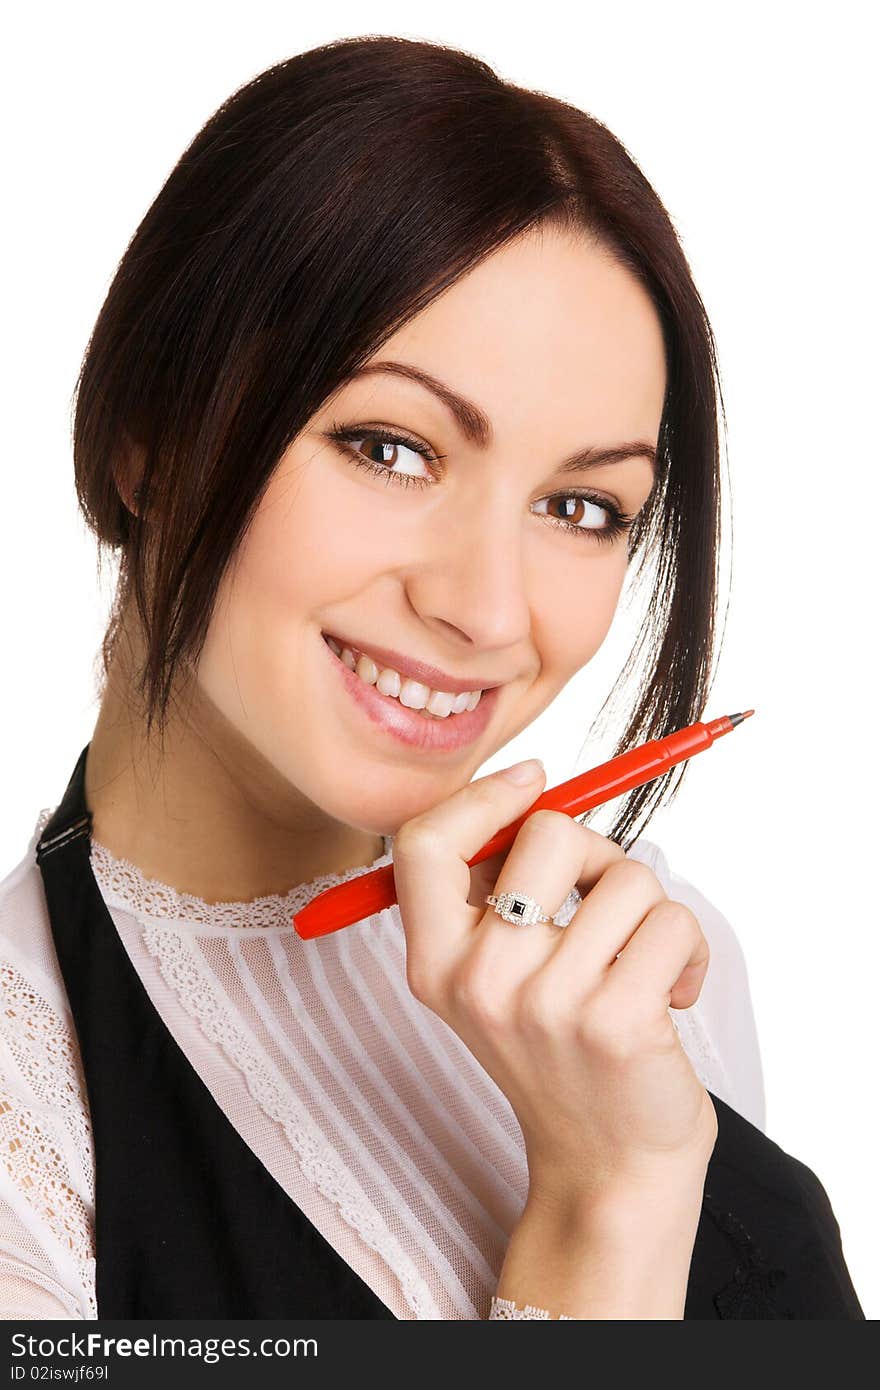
<point>738,718</point>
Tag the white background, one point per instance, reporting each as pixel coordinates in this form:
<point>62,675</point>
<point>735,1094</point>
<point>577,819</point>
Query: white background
<point>755,126</point>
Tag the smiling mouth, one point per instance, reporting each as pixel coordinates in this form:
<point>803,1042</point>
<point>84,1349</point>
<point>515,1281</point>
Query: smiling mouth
<point>402,690</point>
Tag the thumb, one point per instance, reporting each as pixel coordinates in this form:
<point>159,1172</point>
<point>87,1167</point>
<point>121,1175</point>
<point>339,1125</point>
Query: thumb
<point>433,851</point>
<point>523,774</point>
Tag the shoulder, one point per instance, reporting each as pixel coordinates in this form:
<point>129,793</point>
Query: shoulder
<point>39,1053</point>
<point>47,1180</point>
<point>25,932</point>
<point>36,1022</point>
<point>768,1244</point>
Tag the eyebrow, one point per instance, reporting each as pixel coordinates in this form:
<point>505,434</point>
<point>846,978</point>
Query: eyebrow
<point>477,428</point>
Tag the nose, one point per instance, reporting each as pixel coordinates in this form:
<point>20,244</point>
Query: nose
<point>471,586</point>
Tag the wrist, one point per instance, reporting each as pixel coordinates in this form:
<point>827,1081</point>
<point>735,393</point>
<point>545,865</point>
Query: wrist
<point>624,1253</point>
<point>652,1196</point>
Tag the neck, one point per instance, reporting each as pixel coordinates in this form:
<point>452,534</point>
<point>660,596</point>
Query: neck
<point>206,814</point>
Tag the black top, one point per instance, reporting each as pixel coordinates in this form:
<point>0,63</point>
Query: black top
<point>189,1223</point>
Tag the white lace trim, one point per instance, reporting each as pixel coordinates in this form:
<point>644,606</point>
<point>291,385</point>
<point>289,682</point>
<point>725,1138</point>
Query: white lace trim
<point>125,883</point>
<point>34,1162</point>
<point>44,1051</point>
<point>320,1164</point>
<point>504,1308</point>
<point>48,1060</point>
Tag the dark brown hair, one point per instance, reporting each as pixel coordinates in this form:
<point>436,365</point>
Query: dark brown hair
<point>324,204</point>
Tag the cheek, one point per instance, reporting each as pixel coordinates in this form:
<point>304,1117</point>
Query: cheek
<point>310,546</point>
<point>575,608</point>
<point>300,550</point>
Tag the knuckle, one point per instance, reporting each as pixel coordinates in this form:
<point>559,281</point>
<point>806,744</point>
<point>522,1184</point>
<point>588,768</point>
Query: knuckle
<point>473,993</point>
<point>416,838</point>
<point>545,828</point>
<point>636,874</point>
<point>538,1011</point>
<point>545,820</point>
<point>421,981</point>
<point>678,918</point>
<point>545,823</point>
<point>596,839</point>
<point>484,793</point>
<point>606,1030</point>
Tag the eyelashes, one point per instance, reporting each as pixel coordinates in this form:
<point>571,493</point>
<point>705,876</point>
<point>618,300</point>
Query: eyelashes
<point>618,524</point>
<point>378,434</point>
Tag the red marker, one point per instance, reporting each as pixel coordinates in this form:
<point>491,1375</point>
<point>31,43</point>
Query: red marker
<point>360,897</point>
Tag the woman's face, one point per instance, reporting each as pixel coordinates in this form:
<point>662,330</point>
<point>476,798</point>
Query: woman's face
<point>481,560</point>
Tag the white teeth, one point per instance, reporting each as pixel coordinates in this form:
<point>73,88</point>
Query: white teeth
<point>413,694</point>
<point>367,670</point>
<point>438,704</point>
<point>388,682</point>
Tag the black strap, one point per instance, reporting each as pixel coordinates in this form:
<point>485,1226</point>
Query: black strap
<point>188,1221</point>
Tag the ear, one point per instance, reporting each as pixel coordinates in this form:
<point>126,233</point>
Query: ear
<point>128,470</point>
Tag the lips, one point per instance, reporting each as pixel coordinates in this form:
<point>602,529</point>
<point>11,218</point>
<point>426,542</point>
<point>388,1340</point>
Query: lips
<point>420,671</point>
<point>382,715</point>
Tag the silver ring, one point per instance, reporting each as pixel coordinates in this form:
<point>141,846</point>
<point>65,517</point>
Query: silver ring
<point>518,909</point>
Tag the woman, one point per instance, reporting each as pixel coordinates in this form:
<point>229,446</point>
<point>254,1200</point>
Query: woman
<point>400,371</point>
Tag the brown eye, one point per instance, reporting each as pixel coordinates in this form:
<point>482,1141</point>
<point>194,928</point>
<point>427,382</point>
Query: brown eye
<point>371,447</point>
<point>389,454</point>
<point>585,513</point>
<point>578,507</point>
<point>396,459</point>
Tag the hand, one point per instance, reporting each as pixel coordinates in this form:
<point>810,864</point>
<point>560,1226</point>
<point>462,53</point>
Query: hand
<point>571,1023</point>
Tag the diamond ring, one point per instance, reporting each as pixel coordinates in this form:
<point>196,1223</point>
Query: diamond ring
<point>518,909</point>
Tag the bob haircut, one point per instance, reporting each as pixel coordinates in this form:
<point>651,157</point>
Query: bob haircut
<point>324,204</point>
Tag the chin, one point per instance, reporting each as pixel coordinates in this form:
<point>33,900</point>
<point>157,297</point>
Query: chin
<point>394,801</point>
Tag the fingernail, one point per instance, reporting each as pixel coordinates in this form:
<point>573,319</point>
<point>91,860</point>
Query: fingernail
<point>524,772</point>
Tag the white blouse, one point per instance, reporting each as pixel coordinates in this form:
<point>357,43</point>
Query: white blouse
<point>366,1108</point>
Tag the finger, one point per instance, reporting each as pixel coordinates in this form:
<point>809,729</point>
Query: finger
<point>431,851</point>
<point>687,988</point>
<point>551,853</point>
<point>611,913</point>
<point>668,953</point>
<point>484,876</point>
